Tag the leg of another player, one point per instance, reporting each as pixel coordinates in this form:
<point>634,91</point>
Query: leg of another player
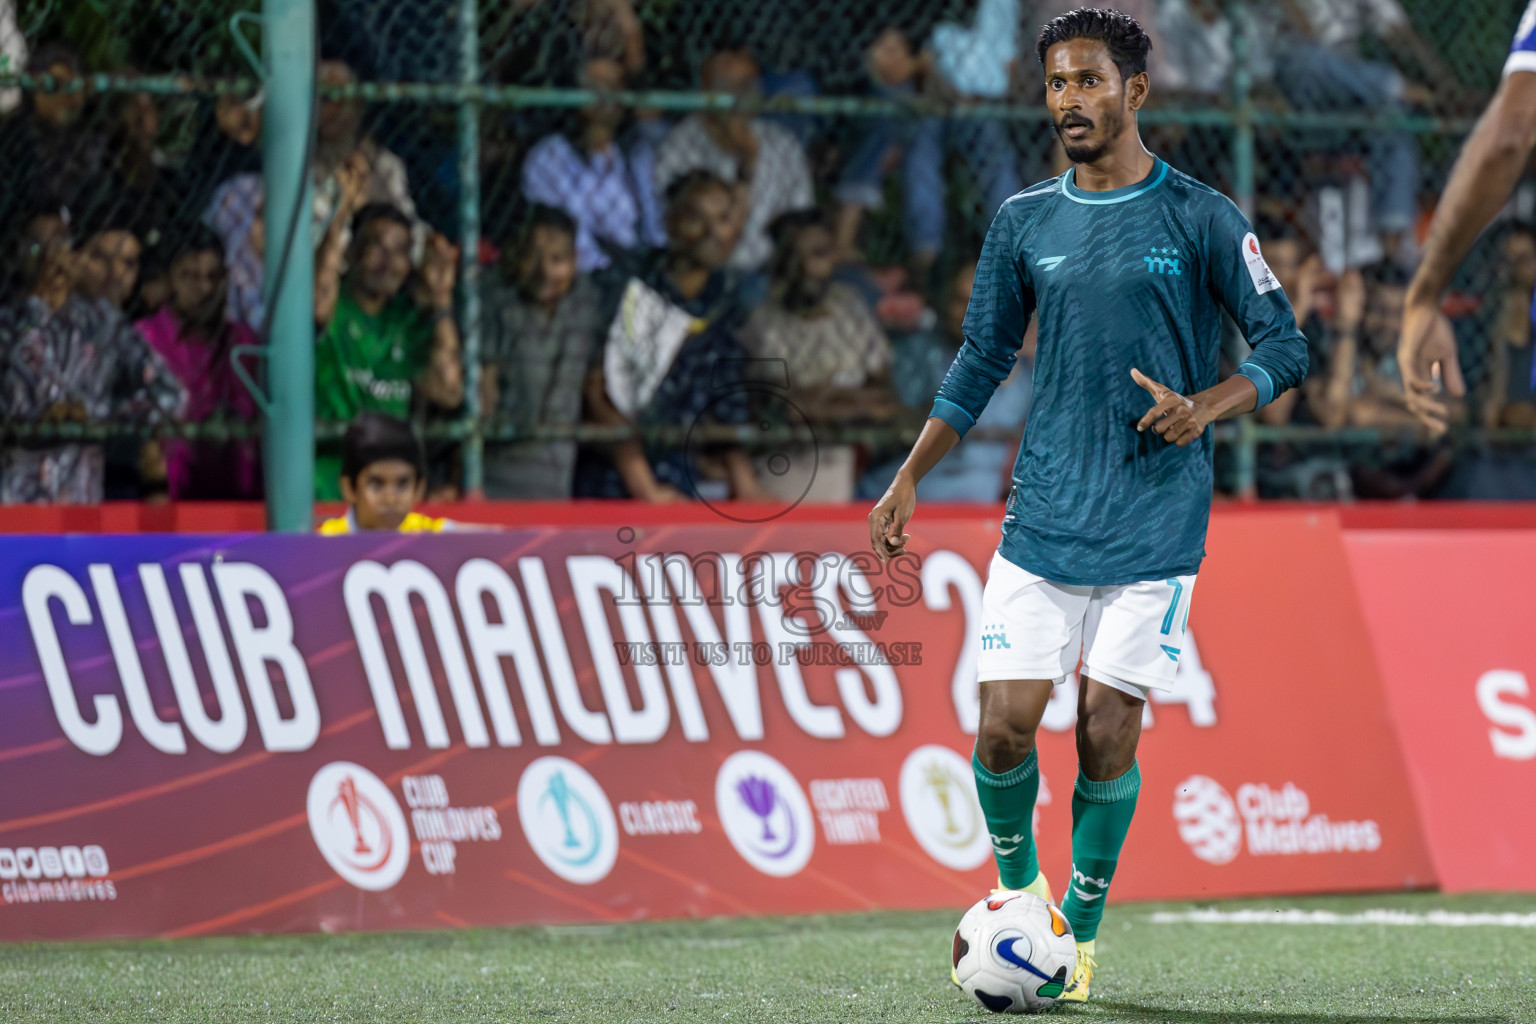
<point>1008,774</point>
<point>1103,799</point>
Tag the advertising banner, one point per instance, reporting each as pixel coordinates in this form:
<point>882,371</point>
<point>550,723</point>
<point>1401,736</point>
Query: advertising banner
<point>1450,614</point>
<point>261,733</point>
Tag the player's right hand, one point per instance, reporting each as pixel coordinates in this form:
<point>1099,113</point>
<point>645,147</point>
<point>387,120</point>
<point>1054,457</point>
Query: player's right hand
<point>1427,359</point>
<point>889,518</point>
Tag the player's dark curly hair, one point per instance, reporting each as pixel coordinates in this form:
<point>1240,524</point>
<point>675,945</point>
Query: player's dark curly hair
<point>1121,34</point>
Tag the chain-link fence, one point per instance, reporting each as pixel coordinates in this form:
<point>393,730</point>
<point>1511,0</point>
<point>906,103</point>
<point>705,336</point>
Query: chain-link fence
<point>740,233</point>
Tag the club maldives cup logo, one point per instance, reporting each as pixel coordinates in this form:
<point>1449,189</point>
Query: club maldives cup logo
<point>358,826</point>
<point>764,813</point>
<point>568,820</point>
<point>938,799</point>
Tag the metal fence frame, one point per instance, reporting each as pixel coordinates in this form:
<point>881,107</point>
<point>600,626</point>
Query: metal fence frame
<point>1240,117</point>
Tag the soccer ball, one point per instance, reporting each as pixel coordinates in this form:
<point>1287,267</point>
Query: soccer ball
<point>1014,952</point>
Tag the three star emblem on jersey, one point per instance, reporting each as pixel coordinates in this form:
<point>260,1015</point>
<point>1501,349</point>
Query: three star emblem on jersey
<point>1161,263</point>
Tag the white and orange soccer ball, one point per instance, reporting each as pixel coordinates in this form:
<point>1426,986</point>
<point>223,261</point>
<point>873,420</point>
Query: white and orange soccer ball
<point>1013,952</point>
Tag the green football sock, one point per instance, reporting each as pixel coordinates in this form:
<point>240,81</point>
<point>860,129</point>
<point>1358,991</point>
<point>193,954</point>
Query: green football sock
<point>1008,802</point>
<point>1101,815</point>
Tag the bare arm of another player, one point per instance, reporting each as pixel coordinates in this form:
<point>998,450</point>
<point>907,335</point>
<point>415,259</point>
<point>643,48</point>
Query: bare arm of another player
<point>891,514</point>
<point>1485,174</point>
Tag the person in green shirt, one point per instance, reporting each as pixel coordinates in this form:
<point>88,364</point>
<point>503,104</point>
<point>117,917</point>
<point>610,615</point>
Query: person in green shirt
<point>382,347</point>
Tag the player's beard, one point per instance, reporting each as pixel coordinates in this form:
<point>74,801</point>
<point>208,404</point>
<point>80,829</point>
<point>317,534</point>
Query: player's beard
<point>1102,135</point>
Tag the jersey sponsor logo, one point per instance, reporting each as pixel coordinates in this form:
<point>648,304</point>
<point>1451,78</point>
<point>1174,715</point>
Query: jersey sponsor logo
<point>1163,261</point>
<point>1276,822</point>
<point>1050,263</point>
<point>1264,279</point>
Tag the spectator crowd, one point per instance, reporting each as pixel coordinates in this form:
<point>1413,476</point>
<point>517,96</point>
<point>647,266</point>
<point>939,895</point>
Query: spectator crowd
<point>726,267</point>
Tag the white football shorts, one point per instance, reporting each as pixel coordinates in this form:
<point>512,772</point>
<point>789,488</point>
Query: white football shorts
<point>1128,637</point>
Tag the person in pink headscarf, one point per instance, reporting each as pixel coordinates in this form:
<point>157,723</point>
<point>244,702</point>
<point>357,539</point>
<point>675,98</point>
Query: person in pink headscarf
<point>194,337</point>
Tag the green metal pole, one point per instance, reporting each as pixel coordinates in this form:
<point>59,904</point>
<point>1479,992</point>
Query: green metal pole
<point>288,47</point>
<point>1242,116</point>
<point>1243,186</point>
<point>469,240</point>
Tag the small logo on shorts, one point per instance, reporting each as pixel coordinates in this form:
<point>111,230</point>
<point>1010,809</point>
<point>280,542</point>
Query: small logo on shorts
<point>995,638</point>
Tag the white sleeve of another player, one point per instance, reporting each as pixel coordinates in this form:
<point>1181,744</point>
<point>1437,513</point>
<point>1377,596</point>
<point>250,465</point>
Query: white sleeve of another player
<point>1522,52</point>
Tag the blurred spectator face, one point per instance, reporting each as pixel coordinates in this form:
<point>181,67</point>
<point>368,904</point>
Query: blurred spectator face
<point>91,272</point>
<point>60,109</point>
<point>959,301</point>
<point>46,253</point>
<point>1383,316</point>
<point>1520,260</point>
<point>141,120</point>
<point>603,76</point>
<point>548,269</point>
<point>703,226</point>
<point>383,494</point>
<point>810,269</point>
<point>734,72</point>
<point>1285,256</point>
<point>383,258</point>
<point>112,264</point>
<point>197,286</point>
<point>340,121</point>
<point>1086,98</point>
<point>239,119</point>
<point>890,57</point>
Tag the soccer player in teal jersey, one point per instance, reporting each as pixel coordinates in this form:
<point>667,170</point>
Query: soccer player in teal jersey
<point>1128,264</point>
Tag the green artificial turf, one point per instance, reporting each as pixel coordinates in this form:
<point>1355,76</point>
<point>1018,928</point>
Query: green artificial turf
<point>875,967</point>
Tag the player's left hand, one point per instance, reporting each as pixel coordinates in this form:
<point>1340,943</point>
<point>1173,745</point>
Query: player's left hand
<point>1176,418</point>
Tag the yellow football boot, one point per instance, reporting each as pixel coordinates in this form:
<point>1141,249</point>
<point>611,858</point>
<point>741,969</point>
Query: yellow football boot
<point>1077,989</point>
<point>1039,887</point>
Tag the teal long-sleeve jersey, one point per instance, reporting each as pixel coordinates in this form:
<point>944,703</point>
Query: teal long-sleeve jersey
<point>1139,277</point>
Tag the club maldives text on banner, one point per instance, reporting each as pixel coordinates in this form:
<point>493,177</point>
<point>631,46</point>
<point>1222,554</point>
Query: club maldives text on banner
<point>1450,615</point>
<point>262,733</point>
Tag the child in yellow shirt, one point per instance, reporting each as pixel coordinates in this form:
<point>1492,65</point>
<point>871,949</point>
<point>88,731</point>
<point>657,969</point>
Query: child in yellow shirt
<point>383,476</point>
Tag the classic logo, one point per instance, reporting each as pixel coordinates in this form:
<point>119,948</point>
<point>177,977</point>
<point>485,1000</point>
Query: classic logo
<point>568,820</point>
<point>358,826</point>
<point>1207,819</point>
<point>764,813</point>
<point>938,799</point>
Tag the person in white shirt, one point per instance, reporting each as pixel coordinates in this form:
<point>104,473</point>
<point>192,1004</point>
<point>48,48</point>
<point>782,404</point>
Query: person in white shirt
<point>763,162</point>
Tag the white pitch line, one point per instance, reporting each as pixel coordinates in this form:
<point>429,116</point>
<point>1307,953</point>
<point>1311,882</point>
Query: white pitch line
<point>1433,918</point>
